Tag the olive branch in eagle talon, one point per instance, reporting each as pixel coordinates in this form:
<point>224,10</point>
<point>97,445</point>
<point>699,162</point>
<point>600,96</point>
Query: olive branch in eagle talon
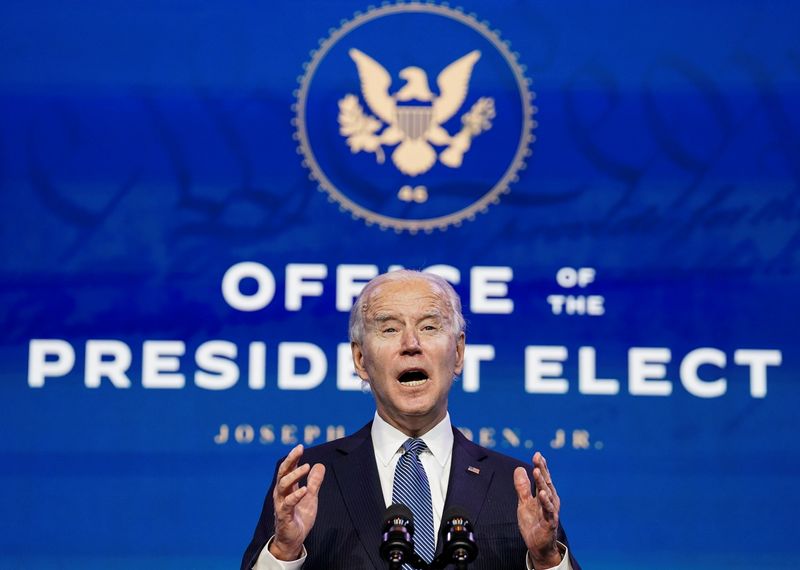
<point>359,128</point>
<point>477,120</point>
<point>413,115</point>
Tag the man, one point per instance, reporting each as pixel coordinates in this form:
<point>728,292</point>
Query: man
<point>407,339</point>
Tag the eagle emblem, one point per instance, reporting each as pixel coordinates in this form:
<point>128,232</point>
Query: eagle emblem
<point>411,118</point>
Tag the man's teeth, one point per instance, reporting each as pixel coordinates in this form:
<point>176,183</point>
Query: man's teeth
<point>413,378</point>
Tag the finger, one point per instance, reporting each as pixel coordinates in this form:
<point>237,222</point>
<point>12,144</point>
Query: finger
<point>315,478</point>
<point>541,483</point>
<point>288,483</point>
<point>540,462</point>
<point>522,484</point>
<point>541,486</point>
<point>547,477</point>
<point>548,510</point>
<point>546,501</point>
<point>291,461</point>
<point>291,500</point>
<point>287,466</point>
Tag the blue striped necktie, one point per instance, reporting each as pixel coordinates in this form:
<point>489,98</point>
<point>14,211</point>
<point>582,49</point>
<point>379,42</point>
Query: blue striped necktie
<point>412,489</point>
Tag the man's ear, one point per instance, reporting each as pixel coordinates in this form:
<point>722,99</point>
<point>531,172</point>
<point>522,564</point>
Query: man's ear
<point>460,343</point>
<point>358,361</point>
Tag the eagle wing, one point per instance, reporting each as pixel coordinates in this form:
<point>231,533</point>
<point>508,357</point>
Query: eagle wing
<point>375,82</point>
<point>453,83</point>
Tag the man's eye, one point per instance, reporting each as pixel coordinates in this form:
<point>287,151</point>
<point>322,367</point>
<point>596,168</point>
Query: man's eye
<point>389,330</point>
<point>429,328</point>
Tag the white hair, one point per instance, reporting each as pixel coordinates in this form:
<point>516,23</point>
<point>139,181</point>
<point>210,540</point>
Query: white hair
<point>452,300</point>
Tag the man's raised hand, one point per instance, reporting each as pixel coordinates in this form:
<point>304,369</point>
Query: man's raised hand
<point>295,506</point>
<point>537,515</point>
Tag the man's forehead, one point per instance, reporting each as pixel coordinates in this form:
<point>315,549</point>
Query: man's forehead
<point>388,314</point>
<point>417,297</point>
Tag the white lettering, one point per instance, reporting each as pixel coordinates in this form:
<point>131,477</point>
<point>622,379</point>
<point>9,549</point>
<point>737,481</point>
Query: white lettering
<point>350,280</point>
<point>646,370</point>
<point>692,381</point>
<point>113,368</point>
<point>488,290</point>
<point>569,277</point>
<point>299,284</point>
<point>474,354</point>
<point>346,377</point>
<point>543,369</point>
<point>577,304</point>
<point>216,359</point>
<point>588,383</point>
<point>586,275</point>
<point>288,377</point>
<point>257,367</point>
<point>758,360</point>
<point>40,366</point>
<point>161,363</point>
<point>232,292</point>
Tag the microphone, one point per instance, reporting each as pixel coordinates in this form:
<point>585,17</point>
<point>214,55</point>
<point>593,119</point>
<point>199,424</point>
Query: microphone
<point>397,544</point>
<point>459,542</point>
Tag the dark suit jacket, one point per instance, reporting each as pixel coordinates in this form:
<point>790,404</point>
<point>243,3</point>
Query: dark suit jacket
<point>347,532</point>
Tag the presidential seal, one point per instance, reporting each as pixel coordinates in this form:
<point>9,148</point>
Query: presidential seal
<point>414,116</point>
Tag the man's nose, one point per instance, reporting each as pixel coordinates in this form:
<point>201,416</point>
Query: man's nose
<point>410,342</point>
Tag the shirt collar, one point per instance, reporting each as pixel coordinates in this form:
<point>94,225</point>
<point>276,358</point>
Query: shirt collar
<point>387,440</point>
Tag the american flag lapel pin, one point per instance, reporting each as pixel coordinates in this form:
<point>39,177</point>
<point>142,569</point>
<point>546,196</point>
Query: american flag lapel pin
<point>475,470</point>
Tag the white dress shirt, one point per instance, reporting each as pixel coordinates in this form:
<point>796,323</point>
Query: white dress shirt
<point>387,442</point>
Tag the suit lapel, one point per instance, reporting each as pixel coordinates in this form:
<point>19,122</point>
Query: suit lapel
<point>359,483</point>
<point>470,477</point>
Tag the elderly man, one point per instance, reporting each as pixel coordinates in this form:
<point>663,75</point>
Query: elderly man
<point>407,339</point>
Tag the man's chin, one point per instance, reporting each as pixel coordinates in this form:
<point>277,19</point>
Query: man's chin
<point>419,418</point>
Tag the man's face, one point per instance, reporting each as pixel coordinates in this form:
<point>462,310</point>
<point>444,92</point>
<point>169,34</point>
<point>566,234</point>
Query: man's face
<point>409,354</point>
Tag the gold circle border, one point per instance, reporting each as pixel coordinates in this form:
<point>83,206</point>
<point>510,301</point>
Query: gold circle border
<point>426,224</point>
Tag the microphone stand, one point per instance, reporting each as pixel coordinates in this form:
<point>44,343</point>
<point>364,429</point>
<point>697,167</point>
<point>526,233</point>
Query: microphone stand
<point>459,560</point>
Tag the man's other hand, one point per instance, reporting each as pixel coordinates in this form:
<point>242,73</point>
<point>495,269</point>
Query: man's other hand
<point>537,516</point>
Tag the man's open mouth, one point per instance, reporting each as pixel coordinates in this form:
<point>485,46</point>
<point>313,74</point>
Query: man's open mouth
<point>413,377</point>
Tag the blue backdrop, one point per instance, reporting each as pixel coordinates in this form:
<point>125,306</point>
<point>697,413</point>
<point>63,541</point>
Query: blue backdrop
<point>191,192</point>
